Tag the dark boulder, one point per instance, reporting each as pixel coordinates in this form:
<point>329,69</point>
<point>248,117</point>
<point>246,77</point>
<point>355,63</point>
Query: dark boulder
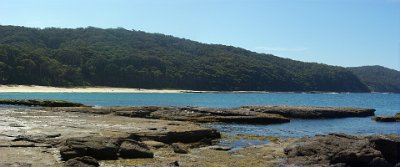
<point>134,149</point>
<point>104,148</point>
<point>389,146</point>
<point>355,156</point>
<point>192,136</point>
<point>395,118</point>
<point>73,149</point>
<point>84,161</point>
<point>379,162</point>
<point>180,148</point>
<point>99,148</point>
<point>386,119</point>
<point>344,150</point>
<point>173,164</point>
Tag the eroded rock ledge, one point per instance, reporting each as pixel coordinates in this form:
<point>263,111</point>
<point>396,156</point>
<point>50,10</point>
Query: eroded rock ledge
<point>245,115</point>
<point>192,114</point>
<point>342,150</point>
<point>42,103</point>
<point>395,118</point>
<point>83,135</point>
<point>313,112</point>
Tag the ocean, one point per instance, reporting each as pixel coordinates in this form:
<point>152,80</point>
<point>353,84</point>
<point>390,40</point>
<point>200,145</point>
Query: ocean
<point>384,103</point>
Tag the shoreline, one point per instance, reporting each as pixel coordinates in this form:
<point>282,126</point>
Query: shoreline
<point>101,89</point>
<point>50,89</point>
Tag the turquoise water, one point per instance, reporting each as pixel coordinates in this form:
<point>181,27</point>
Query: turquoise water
<point>385,104</point>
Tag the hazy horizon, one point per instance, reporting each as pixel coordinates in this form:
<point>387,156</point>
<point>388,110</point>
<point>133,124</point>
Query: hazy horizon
<point>343,33</point>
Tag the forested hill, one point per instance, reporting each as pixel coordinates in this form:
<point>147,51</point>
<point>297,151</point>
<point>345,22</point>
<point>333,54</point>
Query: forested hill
<point>129,58</point>
<point>378,78</point>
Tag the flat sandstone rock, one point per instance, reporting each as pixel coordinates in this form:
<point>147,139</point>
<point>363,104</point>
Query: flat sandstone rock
<point>44,132</point>
<point>243,115</point>
<point>313,112</point>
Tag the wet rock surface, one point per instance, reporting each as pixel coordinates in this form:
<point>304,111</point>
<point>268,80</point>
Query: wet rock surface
<point>395,118</point>
<point>312,112</point>
<point>242,115</point>
<point>344,150</point>
<point>193,114</point>
<point>42,103</point>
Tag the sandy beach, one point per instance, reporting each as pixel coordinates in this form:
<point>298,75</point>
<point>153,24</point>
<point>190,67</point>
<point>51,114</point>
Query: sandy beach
<point>101,89</point>
<point>36,88</point>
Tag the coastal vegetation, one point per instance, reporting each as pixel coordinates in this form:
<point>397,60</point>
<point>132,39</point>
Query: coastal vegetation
<point>129,58</point>
<point>378,78</point>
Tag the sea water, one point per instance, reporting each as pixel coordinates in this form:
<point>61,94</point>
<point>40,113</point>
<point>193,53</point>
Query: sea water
<point>385,104</point>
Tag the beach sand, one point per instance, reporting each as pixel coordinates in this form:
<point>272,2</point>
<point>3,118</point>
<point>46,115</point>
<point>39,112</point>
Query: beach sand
<point>35,88</point>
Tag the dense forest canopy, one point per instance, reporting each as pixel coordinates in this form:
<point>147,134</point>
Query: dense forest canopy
<point>378,78</point>
<point>128,58</point>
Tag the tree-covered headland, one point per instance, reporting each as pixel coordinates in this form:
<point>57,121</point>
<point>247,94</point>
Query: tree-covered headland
<point>129,58</point>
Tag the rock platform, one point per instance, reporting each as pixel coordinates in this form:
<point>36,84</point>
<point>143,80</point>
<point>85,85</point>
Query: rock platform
<point>306,112</point>
<point>73,134</point>
<point>395,118</point>
<point>60,136</point>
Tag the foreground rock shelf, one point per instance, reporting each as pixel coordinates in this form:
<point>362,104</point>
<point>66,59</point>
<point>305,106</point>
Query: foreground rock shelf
<point>32,136</point>
<point>333,150</point>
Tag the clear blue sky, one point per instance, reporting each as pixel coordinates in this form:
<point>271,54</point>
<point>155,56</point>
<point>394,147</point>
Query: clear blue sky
<point>335,32</point>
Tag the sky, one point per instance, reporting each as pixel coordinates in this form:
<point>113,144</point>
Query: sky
<point>336,32</point>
